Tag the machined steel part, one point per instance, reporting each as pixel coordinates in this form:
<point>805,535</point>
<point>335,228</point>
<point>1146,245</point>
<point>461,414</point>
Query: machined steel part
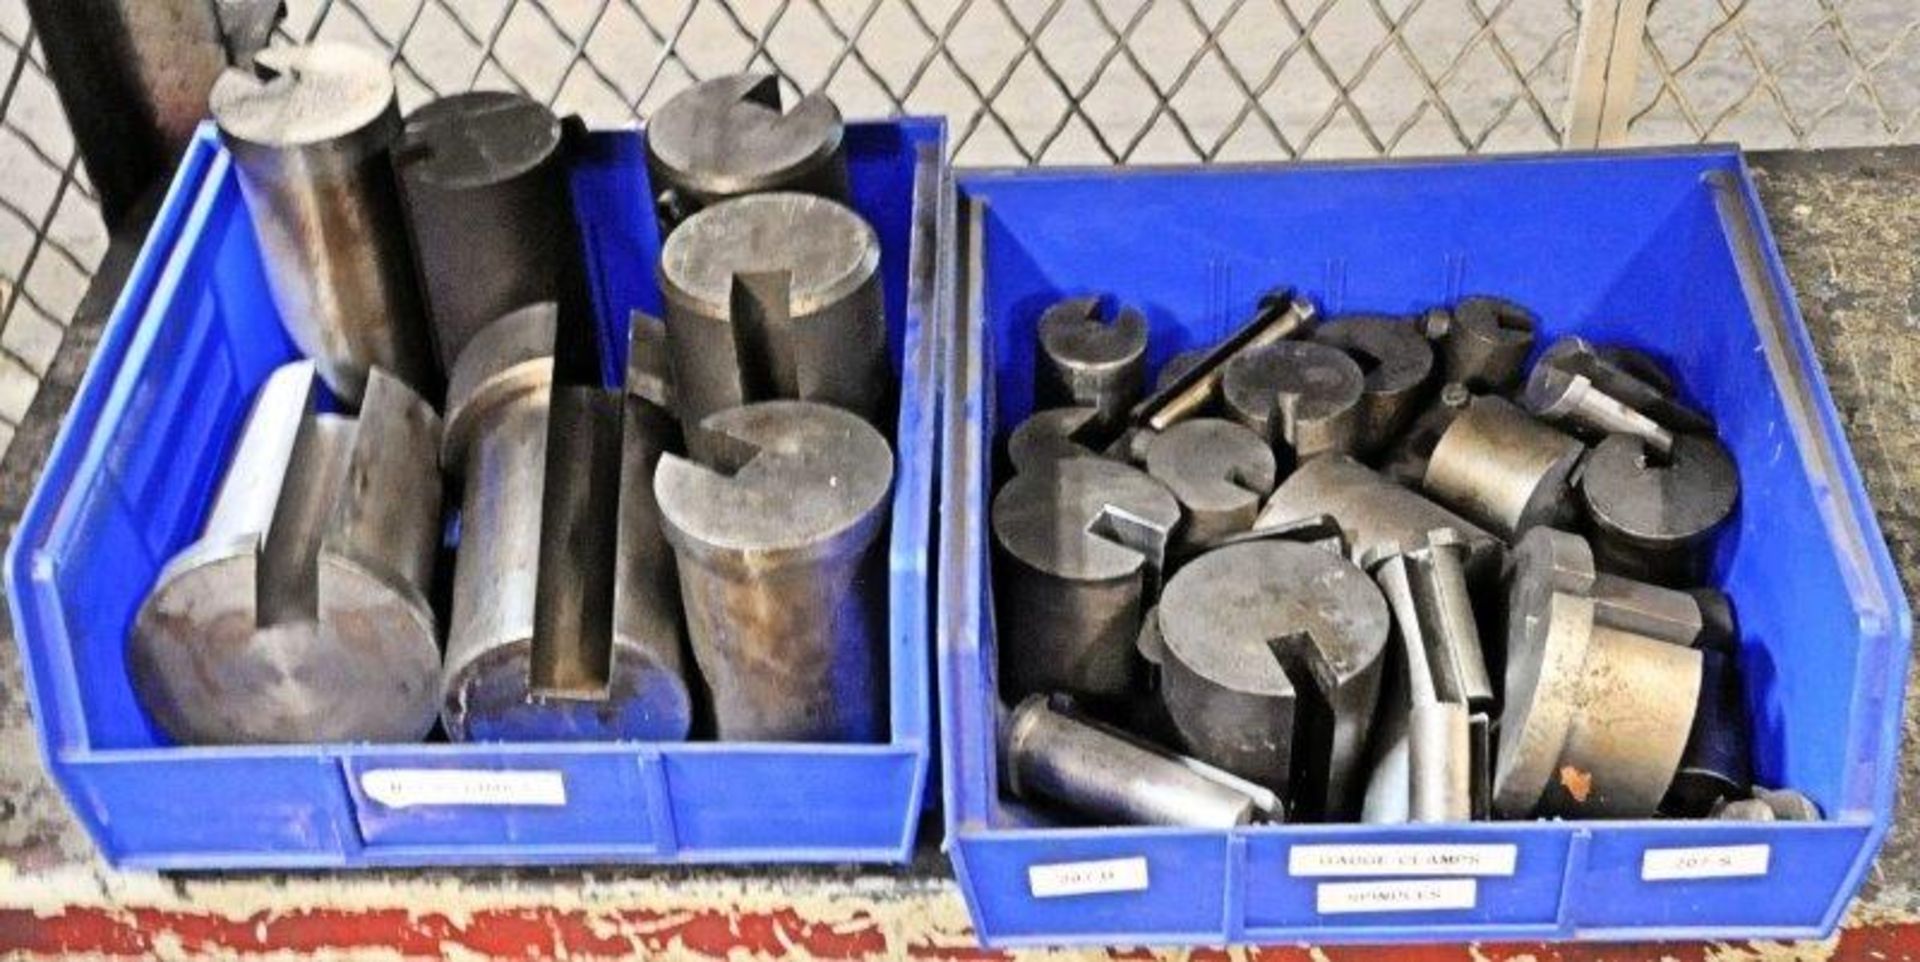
<point>1437,728</point>
<point>1576,402</point>
<point>1052,754</point>
<point>1718,761</point>
<point>1437,614</point>
<point>1053,435</point>
<point>778,536</point>
<point>1080,549</point>
<point>301,613</point>
<point>1220,473</point>
<point>1769,805</point>
<point>1503,469</point>
<point>1483,341</point>
<point>1376,514</point>
<point>774,297</point>
<point>311,130</point>
<point>1087,361</point>
<point>1397,362</point>
<point>484,182</point>
<point>1281,314</point>
<point>1631,377</point>
<point>1652,516</point>
<point>1271,665</point>
<point>566,617</point>
<point>1303,397</point>
<point>729,136</point>
<point>1406,456</point>
<point>1597,714</point>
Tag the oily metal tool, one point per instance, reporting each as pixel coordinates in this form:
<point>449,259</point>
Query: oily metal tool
<point>774,297</point>
<point>1281,315</point>
<point>1717,763</point>
<point>301,614</point>
<point>1629,376</point>
<point>566,618</point>
<point>1397,362</point>
<point>1769,805</point>
<point>1304,398</point>
<point>778,535</point>
<point>311,130</point>
<point>1574,401</point>
<point>1055,755</point>
<point>1405,458</point>
<point>1503,469</point>
<point>1080,550</point>
<point>1270,666</point>
<point>1598,710</point>
<point>1220,473</point>
<point>483,177</point>
<point>730,136</point>
<point>1376,514</point>
<point>1053,435</point>
<point>1087,361</point>
<point>1430,588</point>
<point>1651,515</point>
<point>1483,341</point>
<point>1437,729</point>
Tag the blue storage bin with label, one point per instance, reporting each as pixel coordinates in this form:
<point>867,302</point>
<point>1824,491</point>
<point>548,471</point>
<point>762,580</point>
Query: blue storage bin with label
<point>131,477</point>
<point>1664,250</point>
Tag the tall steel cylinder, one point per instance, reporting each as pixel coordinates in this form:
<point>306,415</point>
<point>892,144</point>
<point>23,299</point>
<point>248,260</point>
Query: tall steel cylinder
<point>565,621</point>
<point>311,130</point>
<point>301,613</point>
<point>484,179</point>
<point>728,137</point>
<point>774,297</point>
<point>777,533</point>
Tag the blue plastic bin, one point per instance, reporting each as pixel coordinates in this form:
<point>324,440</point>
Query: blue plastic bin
<point>130,479</point>
<point>1666,251</point>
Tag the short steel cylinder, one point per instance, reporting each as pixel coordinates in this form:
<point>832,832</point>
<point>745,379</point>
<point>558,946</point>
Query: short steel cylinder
<point>1087,361</point>
<point>1397,362</point>
<point>311,130</point>
<point>777,538</point>
<point>728,137</point>
<point>1305,398</point>
<point>301,613</point>
<point>1484,341</point>
<point>1653,515</point>
<point>484,179</point>
<point>1503,469</point>
<point>1219,471</point>
<point>774,297</point>
<point>565,619</point>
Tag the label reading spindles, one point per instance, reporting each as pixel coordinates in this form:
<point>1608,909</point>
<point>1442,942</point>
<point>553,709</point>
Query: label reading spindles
<point>1404,895</point>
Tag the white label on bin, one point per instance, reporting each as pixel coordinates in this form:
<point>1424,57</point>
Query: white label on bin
<point>1348,861</point>
<point>408,787</point>
<point>1405,895</point>
<point>1717,861</point>
<point>1087,878</point>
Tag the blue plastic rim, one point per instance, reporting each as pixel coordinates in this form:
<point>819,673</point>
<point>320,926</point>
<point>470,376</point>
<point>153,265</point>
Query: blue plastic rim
<point>1666,251</point>
<point>130,478</point>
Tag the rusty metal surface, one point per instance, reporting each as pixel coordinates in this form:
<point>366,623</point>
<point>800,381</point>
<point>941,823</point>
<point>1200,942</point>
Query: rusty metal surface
<point>1849,229</point>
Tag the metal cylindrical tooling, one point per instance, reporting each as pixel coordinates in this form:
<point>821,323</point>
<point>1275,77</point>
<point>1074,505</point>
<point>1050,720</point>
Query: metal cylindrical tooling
<point>311,130</point>
<point>1573,400</point>
<point>1744,810</point>
<point>1503,469</point>
<point>1397,362</point>
<point>1303,397</point>
<point>1405,458</point>
<point>1080,550</point>
<point>1110,778</point>
<point>778,540</point>
<point>565,623</point>
<point>1484,341</point>
<point>1375,514</point>
<point>1718,761</point>
<point>483,177</point>
<point>1441,612</point>
<point>1788,805</point>
<point>728,137</point>
<point>1281,314</point>
<point>1052,435</point>
<point>1271,665</point>
<point>1631,377</point>
<point>301,613</point>
<point>1219,471</point>
<point>1652,515</point>
<point>1085,361</point>
<point>774,297</point>
<point>1597,716</point>
<point>1439,757</point>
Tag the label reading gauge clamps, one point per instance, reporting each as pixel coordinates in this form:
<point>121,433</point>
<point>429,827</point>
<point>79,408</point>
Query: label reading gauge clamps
<point>1402,861</point>
<point>409,787</point>
<point>1406,895</point>
<point>1717,861</point>
<point>1087,878</point>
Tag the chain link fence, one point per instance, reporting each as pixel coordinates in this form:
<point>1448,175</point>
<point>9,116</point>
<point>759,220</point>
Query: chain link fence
<point>1040,81</point>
